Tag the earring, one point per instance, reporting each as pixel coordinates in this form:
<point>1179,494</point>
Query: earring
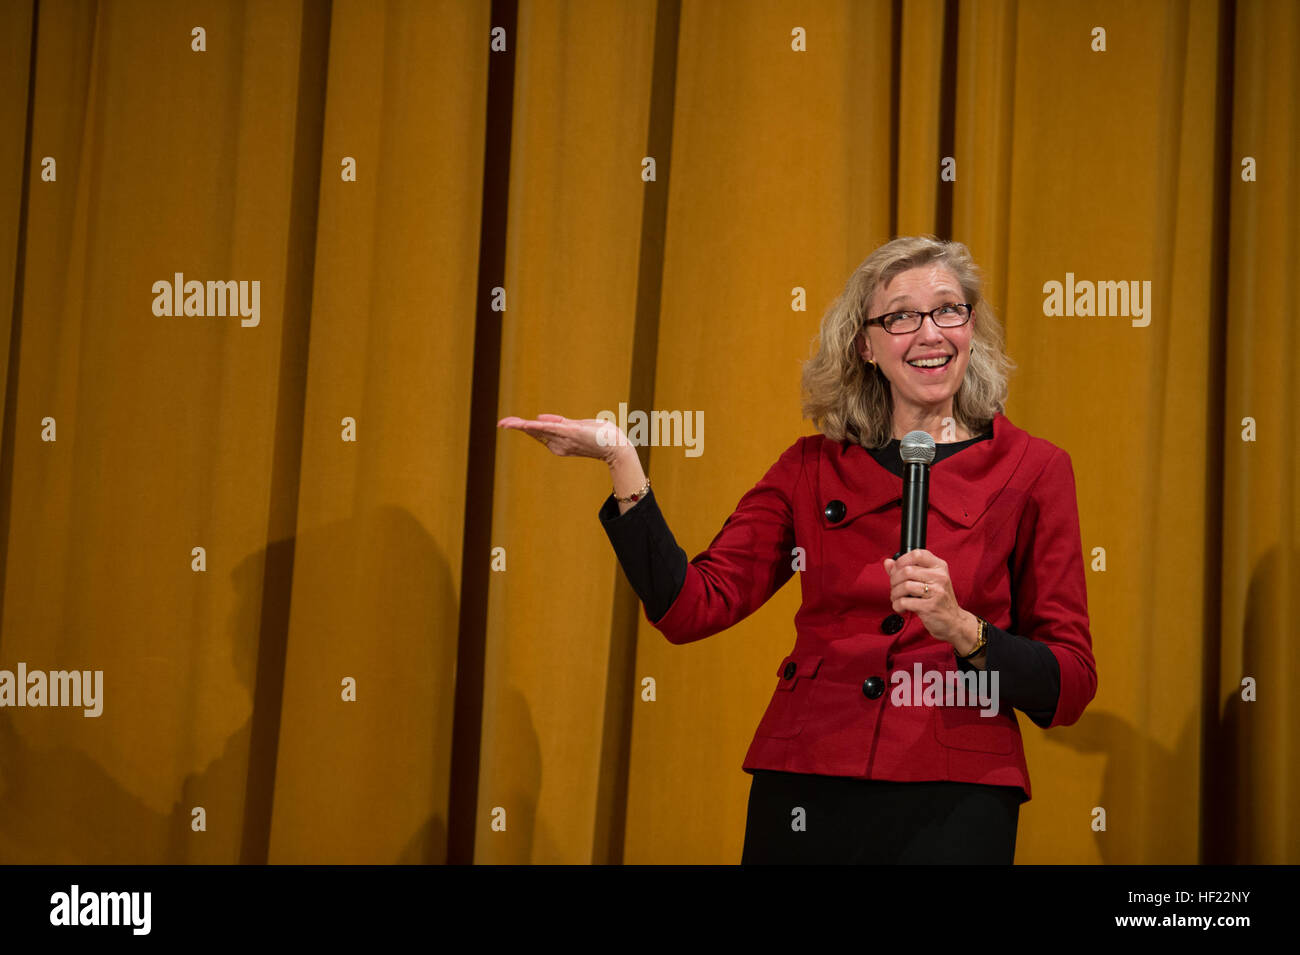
<point>872,364</point>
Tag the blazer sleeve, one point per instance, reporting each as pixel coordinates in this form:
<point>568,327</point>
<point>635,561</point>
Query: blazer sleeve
<point>1049,592</point>
<point>748,560</point>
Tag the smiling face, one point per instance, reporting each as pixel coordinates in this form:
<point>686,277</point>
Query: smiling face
<point>919,391</point>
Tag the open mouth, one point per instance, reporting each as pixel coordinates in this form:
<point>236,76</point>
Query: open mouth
<point>932,365</point>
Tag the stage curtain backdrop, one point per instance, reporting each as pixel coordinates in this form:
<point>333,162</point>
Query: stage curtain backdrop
<point>340,617</point>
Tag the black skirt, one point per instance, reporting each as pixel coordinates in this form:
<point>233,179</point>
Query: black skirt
<point>878,822</point>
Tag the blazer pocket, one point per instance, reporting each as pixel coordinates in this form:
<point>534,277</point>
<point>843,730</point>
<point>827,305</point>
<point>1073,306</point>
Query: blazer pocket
<point>788,710</point>
<point>964,727</point>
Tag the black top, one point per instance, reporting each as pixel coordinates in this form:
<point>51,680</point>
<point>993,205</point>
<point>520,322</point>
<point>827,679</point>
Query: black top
<point>1029,678</point>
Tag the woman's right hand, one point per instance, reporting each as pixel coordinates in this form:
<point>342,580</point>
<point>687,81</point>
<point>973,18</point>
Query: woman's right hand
<point>572,437</point>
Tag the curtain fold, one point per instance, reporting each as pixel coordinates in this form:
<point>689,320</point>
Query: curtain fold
<point>1252,776</point>
<point>377,565</point>
<point>572,253</point>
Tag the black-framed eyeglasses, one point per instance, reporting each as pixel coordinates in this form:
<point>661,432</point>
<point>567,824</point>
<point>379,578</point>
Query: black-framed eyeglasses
<point>945,316</point>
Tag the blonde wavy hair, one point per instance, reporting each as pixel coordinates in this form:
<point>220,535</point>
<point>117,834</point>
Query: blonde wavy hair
<point>848,399</point>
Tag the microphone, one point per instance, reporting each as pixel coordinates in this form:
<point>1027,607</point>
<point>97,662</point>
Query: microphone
<point>917,452</point>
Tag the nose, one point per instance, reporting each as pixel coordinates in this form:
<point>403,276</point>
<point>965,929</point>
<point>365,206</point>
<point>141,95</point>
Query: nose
<point>929,331</point>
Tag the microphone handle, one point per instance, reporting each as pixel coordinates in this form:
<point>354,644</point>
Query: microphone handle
<point>916,504</point>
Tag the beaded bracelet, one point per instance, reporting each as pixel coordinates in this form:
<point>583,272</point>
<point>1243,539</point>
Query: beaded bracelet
<point>634,497</point>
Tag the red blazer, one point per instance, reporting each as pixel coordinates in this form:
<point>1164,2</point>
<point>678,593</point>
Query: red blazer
<point>1003,514</point>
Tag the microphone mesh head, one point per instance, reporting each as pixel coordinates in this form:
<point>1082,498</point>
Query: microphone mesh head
<point>917,448</point>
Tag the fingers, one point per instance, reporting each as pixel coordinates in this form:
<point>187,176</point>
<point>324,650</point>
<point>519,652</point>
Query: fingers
<point>903,569</point>
<point>929,587</point>
<point>909,577</point>
<point>581,437</point>
<point>535,430</point>
<point>915,587</point>
<point>544,433</point>
<point>514,421</point>
<point>920,558</point>
<point>524,424</point>
<point>539,429</point>
<point>563,437</point>
<point>910,605</point>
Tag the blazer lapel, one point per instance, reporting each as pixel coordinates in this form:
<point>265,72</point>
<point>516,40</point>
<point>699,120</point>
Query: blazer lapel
<point>961,487</point>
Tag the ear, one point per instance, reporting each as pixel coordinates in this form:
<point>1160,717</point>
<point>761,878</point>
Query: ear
<point>864,345</point>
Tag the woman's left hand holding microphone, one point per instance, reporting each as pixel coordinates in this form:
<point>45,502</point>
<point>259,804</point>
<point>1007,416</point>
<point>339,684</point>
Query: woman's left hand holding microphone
<point>919,582</point>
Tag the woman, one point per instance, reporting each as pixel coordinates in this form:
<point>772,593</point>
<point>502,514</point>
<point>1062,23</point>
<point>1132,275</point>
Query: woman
<point>866,752</point>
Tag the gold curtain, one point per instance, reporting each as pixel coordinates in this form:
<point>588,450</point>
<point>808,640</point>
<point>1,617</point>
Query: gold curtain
<point>342,618</point>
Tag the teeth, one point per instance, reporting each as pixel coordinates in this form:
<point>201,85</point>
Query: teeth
<point>930,362</point>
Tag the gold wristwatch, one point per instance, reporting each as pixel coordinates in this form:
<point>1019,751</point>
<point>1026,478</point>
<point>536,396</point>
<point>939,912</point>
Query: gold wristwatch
<point>983,639</point>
